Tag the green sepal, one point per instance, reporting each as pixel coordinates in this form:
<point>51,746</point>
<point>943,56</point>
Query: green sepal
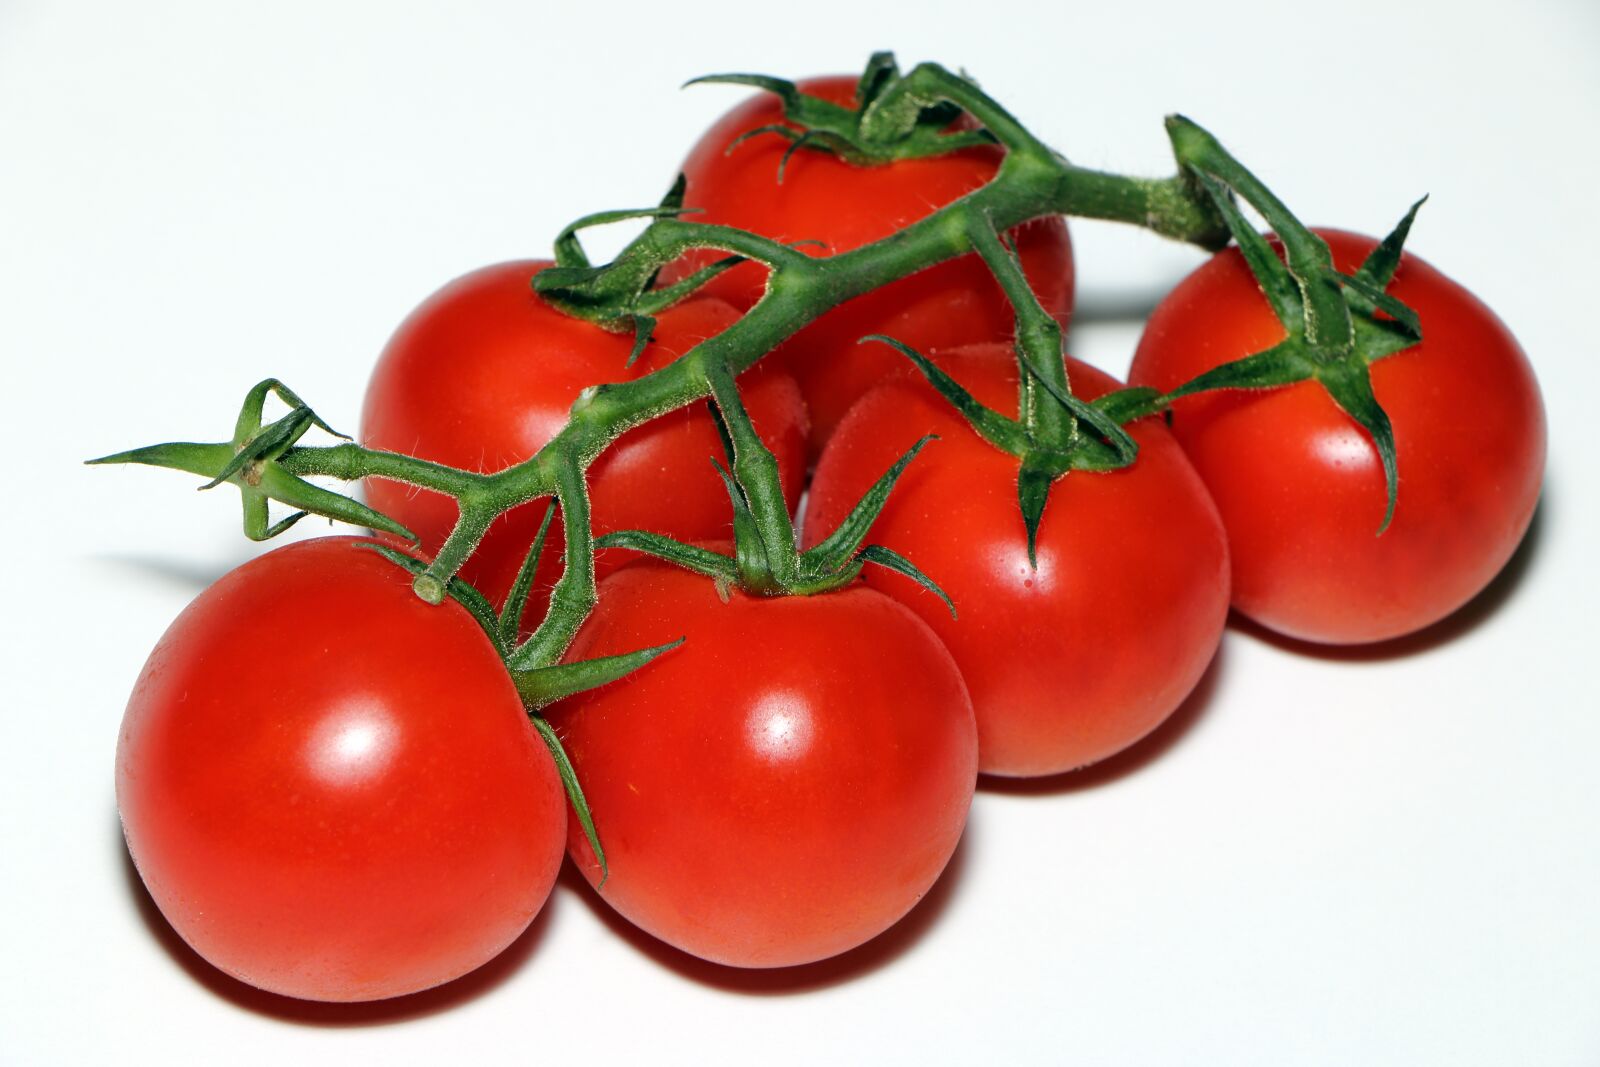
<point>673,199</point>
<point>782,88</point>
<point>278,484</point>
<point>569,253</point>
<point>1123,406</point>
<point>269,481</point>
<point>1323,312</point>
<point>1381,263</point>
<point>1349,382</point>
<point>517,601</point>
<point>1283,364</point>
<point>1271,274</point>
<point>894,561</point>
<point>812,138</point>
<point>249,420</point>
<point>1005,434</point>
<point>822,123</point>
<point>690,557</point>
<point>818,139</point>
<point>1033,493</point>
<point>266,443</point>
<point>867,135</point>
<point>252,443</point>
<point>763,529</point>
<point>1119,448</point>
<point>560,279</point>
<point>643,326</point>
<point>654,301</point>
<point>723,434</point>
<point>788,133</point>
<point>569,782</point>
<point>1380,338</point>
<point>881,69</point>
<point>255,532</point>
<point>541,686</point>
<point>1370,283</point>
<point>1372,298</point>
<point>457,589</point>
<point>832,554</point>
<point>910,126</point>
<point>191,457</point>
<point>749,553</point>
<point>607,296</point>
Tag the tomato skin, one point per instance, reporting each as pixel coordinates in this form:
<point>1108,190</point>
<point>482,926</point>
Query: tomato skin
<point>484,372</point>
<point>1299,484</point>
<point>1077,659</point>
<point>823,198</point>
<point>785,785</point>
<point>329,787</point>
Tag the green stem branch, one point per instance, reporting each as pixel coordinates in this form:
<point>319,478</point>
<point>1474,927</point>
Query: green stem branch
<point>1033,181</point>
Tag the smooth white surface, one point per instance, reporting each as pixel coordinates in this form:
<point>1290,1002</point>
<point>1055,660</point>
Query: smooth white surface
<point>1341,859</point>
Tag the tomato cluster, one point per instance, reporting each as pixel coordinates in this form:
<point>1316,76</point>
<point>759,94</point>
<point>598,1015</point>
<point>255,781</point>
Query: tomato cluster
<point>333,789</point>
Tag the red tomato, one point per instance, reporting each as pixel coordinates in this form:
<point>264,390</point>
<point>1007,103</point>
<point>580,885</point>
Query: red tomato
<point>1299,484</point>
<point>329,787</point>
<point>484,372</point>
<point>1082,656</point>
<point>822,198</point>
<point>784,786</point>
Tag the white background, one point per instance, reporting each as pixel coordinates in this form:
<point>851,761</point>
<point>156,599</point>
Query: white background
<point>1354,858</point>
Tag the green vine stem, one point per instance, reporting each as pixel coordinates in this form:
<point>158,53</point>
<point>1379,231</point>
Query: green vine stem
<point>1031,182</point>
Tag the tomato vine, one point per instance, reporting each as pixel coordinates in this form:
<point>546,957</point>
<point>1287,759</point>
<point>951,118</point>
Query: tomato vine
<point>906,115</point>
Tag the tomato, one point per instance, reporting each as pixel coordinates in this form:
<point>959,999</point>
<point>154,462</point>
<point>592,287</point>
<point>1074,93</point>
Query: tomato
<point>784,786</point>
<point>1077,658</point>
<point>329,787</point>
<point>1299,484</point>
<point>483,373</point>
<point>844,206</point>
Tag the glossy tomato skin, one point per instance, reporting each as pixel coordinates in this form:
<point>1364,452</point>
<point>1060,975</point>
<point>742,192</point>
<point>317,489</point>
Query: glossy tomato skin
<point>1299,484</point>
<point>1074,660</point>
<point>822,198</point>
<point>329,787</point>
<point>785,785</point>
<point>484,372</point>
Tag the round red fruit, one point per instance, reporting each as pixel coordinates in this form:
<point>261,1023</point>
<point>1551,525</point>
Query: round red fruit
<point>1299,484</point>
<point>1078,657</point>
<point>329,787</point>
<point>784,786</point>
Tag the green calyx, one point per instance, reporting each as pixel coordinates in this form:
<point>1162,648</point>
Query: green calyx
<point>1337,324</point>
<point>1081,436</point>
<point>622,295</point>
<point>1054,432</point>
<point>882,127</point>
<point>538,684</point>
<point>765,559</point>
<point>252,461</point>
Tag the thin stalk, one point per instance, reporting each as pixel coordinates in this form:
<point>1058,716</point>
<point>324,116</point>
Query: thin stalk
<point>1038,343</point>
<point>1327,316</point>
<point>755,470</point>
